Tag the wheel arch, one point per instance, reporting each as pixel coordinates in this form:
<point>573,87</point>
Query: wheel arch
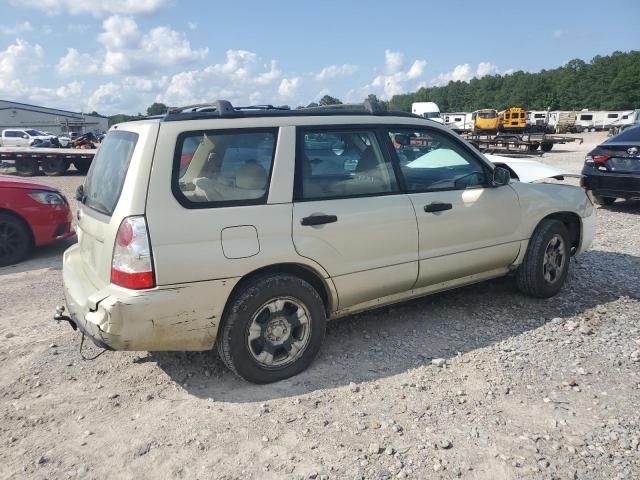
<point>573,223</point>
<point>306,273</point>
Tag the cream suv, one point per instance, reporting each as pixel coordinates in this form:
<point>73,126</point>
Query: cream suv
<point>246,229</point>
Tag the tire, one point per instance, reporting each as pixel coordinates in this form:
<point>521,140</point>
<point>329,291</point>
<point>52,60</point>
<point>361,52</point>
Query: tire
<point>15,240</point>
<point>533,147</point>
<point>250,313</point>
<point>54,167</point>
<point>26,167</point>
<point>600,200</point>
<point>82,167</point>
<point>535,277</point>
<point>546,147</point>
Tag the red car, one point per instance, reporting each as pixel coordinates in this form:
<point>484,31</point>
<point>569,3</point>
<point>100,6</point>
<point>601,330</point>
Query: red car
<point>31,214</point>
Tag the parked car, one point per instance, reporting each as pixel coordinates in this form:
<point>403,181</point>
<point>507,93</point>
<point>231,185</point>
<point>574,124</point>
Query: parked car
<point>248,229</point>
<point>21,138</point>
<point>62,140</point>
<point>612,169</point>
<point>31,214</point>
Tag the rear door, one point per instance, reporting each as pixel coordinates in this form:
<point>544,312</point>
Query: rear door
<point>465,227</point>
<point>350,216</point>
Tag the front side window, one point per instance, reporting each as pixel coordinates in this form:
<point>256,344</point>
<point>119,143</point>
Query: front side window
<point>586,117</point>
<point>338,164</point>
<point>433,161</point>
<point>216,168</point>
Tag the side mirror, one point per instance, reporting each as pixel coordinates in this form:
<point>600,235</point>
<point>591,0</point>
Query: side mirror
<point>501,176</point>
<point>80,193</point>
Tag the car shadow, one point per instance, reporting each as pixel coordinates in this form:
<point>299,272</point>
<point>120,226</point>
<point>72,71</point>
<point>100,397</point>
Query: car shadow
<point>394,339</point>
<point>626,206</point>
<point>46,257</point>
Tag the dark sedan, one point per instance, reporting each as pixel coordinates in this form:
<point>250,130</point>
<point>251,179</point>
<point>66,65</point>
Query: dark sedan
<point>612,169</point>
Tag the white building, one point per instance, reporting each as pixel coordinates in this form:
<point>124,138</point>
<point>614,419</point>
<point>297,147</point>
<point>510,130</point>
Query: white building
<point>53,120</point>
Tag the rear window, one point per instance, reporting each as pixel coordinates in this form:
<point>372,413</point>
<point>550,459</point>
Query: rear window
<point>223,167</point>
<point>108,170</point>
<point>628,135</point>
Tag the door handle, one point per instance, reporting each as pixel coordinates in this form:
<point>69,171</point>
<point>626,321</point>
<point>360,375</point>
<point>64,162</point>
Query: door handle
<point>318,220</point>
<point>437,207</point>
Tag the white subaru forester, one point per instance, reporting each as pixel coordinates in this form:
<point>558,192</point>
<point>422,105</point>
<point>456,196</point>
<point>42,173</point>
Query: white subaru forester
<point>249,228</point>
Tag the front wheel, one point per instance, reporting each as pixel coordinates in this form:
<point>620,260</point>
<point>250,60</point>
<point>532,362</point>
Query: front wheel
<point>15,241</point>
<point>546,264</point>
<point>272,329</point>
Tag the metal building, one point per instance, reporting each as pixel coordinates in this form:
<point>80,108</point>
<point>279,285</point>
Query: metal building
<point>53,120</point>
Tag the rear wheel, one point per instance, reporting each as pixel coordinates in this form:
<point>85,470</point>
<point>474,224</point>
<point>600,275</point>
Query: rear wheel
<point>15,240</point>
<point>600,200</point>
<point>546,147</point>
<point>26,167</point>
<point>272,329</point>
<point>533,146</point>
<point>546,264</point>
<point>55,166</point>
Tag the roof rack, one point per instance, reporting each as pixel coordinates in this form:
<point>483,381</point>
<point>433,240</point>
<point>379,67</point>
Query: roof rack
<point>224,109</point>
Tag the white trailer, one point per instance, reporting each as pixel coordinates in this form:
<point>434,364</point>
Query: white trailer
<point>458,121</point>
<point>428,110</point>
<point>599,120</point>
<point>562,121</point>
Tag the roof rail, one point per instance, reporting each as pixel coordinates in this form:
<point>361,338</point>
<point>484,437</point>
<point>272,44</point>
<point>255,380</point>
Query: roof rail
<point>224,109</point>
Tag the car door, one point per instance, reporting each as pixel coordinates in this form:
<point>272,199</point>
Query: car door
<point>350,216</point>
<point>466,227</point>
<point>10,138</point>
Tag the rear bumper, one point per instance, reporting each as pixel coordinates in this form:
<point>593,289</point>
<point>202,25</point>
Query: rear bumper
<point>182,317</point>
<point>612,185</point>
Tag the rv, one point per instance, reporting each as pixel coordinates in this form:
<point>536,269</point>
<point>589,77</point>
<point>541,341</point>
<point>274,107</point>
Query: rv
<point>427,110</point>
<point>562,122</point>
<point>458,121</point>
<point>599,120</point>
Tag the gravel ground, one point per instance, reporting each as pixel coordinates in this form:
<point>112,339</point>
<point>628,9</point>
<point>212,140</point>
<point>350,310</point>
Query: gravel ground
<point>480,382</point>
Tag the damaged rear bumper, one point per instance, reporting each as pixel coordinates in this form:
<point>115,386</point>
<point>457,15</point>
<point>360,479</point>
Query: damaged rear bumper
<point>183,317</point>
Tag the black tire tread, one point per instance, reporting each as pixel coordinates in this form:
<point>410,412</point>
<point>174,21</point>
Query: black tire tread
<point>528,274</point>
<point>22,225</point>
<point>237,305</point>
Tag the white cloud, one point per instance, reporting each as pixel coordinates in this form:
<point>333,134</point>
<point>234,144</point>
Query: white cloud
<point>78,27</point>
<point>486,68</point>
<point>16,29</point>
<point>130,51</point>
<point>74,63</point>
<point>131,94</point>
<point>333,71</point>
<point>395,79</point>
<point>464,73</point>
<point>18,64</point>
<point>289,87</point>
<point>393,61</point>
<point>91,7</point>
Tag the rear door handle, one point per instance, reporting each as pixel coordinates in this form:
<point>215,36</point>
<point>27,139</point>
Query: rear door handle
<point>318,220</point>
<point>437,207</point>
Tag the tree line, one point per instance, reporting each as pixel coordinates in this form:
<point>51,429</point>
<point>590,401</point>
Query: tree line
<point>610,82</point>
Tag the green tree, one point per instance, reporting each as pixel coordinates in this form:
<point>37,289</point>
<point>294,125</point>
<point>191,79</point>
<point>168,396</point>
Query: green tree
<point>157,109</point>
<point>329,100</point>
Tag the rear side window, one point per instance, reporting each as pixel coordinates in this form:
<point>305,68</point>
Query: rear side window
<point>108,170</point>
<point>223,167</point>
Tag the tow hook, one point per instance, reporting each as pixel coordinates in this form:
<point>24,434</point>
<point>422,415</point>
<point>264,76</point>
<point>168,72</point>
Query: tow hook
<point>60,316</point>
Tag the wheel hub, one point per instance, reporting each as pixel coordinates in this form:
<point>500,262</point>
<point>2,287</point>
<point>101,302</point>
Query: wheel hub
<point>277,331</point>
<point>554,259</point>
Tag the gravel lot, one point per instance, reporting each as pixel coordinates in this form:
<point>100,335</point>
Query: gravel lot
<point>526,388</point>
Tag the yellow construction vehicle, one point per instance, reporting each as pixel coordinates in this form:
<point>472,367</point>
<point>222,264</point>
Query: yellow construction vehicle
<point>485,121</point>
<point>513,119</point>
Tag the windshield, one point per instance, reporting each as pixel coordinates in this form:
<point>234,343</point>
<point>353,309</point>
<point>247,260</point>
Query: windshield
<point>108,170</point>
<point>487,114</point>
<point>33,133</point>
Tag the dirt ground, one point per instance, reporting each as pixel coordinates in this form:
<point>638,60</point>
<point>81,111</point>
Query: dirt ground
<point>529,388</point>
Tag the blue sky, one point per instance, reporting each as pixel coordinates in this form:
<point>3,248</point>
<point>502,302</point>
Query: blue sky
<point>122,55</point>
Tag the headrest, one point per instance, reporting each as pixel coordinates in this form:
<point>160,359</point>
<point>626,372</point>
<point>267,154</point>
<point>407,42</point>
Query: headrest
<point>251,176</point>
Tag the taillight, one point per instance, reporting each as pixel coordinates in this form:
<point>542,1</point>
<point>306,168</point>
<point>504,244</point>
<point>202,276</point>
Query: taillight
<point>599,159</point>
<point>132,265</point>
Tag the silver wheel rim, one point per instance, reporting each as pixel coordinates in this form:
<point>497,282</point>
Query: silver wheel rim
<point>554,259</point>
<point>279,332</point>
